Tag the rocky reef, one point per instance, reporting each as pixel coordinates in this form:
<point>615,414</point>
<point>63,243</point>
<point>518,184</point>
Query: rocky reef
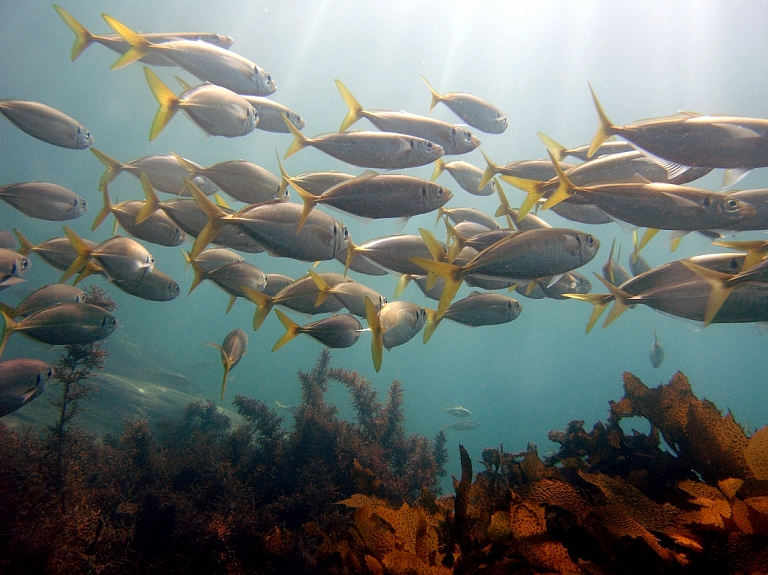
<point>323,495</point>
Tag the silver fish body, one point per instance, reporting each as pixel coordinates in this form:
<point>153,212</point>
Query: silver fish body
<point>467,176</point>
<point>244,181</point>
<point>44,201</point>
<point>657,352</point>
<point>270,115</point>
<point>155,286</point>
<point>46,124</point>
<point>67,324</point>
<point>21,381</point>
<point>400,321</point>
<point>158,228</point>
<point>480,309</point>
<point>123,258</point>
<point>394,252</point>
<point>218,111</point>
<point>457,411</point>
<point>57,252</point>
<point>43,297</point>
<point>463,425</point>
<point>472,109</point>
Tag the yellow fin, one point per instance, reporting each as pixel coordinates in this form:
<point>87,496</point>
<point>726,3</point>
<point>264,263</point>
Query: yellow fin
<point>439,169</point>
<point>83,253</point>
<point>377,343</point>
<point>25,246</point>
<point>453,276</point>
<point>299,140</point>
<point>490,171</point>
<point>402,283</point>
<point>599,303</point>
<point>620,303</point>
<point>264,305</point>
<point>152,204</point>
<point>604,130</point>
<point>291,327</point>
<point>187,165</point>
<point>559,152</point>
<point>647,237</point>
<point>139,46</point>
<point>355,109</point>
<point>564,191</point>
<point>105,211</point>
<point>169,103</point>
<point>435,96</point>
<point>719,288</point>
<point>322,285</point>
<point>113,167</point>
<point>215,218</point>
<point>431,325</point>
<point>10,327</point>
<point>83,38</point>
<point>756,251</point>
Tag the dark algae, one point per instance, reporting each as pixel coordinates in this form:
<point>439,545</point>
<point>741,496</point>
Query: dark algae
<point>205,494</point>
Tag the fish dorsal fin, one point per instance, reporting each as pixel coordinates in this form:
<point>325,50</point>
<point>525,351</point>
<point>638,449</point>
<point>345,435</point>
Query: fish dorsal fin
<point>554,279</point>
<point>732,176</point>
<point>676,237</point>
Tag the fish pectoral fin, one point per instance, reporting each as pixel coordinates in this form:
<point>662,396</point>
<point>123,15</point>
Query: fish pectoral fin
<point>28,395</point>
<point>681,201</point>
<point>732,176</point>
<point>737,132</point>
<point>673,169</point>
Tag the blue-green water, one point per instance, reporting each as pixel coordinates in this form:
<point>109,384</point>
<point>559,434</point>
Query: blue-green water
<point>531,59</point>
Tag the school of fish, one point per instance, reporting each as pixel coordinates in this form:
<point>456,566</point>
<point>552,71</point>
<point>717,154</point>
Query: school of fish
<point>641,180</point>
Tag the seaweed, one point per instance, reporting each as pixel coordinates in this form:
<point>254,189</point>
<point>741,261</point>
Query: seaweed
<point>197,494</point>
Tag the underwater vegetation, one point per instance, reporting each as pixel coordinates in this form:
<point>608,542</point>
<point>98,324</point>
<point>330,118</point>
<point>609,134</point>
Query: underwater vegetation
<point>323,495</point>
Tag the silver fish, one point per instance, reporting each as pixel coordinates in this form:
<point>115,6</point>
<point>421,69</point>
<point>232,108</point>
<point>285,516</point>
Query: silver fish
<point>84,38</point>
<point>46,124</point>
<point>477,309</point>
<point>457,411</point>
<point>473,110</point>
<point>164,171</point>
<point>21,381</point>
<point>214,258</point>
<point>378,196</point>
<point>657,352</point>
<point>158,228</point>
<point>453,139</point>
<point>336,331</point>
<point>466,175</point>
<point>43,297</point>
<point>275,283</point>
<point>216,110</point>
<point>351,294</point>
<point>205,61</point>
<point>63,324</point>
<point>270,115</point>
<point>57,252</point>
<point>155,286</point>
<point>378,150</point>
<point>44,201</point>
<point>12,264</point>
<point>395,324</point>
<point>231,278</point>
<point>233,348</point>
<point>462,425</point>
<point>117,258</point>
<point>244,181</point>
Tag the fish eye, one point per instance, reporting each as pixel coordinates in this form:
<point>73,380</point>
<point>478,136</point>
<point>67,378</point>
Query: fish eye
<point>429,145</point>
<point>590,240</point>
<point>422,313</point>
<point>731,204</point>
<point>517,306</point>
<point>269,78</point>
<point>298,119</point>
<point>468,136</point>
<point>735,265</point>
<point>439,192</point>
<point>113,323</point>
<point>49,373</point>
<point>24,263</point>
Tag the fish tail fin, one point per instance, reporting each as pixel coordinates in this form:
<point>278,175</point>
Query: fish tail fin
<point>151,205</point>
<point>139,46</point>
<point>264,305</point>
<point>439,169</point>
<point>604,131</point>
<point>620,301</point>
<point>402,283</point>
<point>610,269</point>
<point>186,164</point>
<point>113,167</point>
<point>224,380</point>
<point>635,250</point>
<point>215,218</point>
<point>532,187</point>
<point>291,330</point>
<point>230,303</point>
<point>599,303</point>
<point>355,109</point>
<point>504,208</point>
<point>8,329</point>
<point>25,246</point>
<point>352,251</point>
<point>169,103</point>
<point>557,150</point>
<point>105,211</point>
<point>322,285</point>
<point>564,191</point>
<point>431,325</point>
<point>200,274</point>
<point>377,341</point>
<point>310,201</point>
<point>83,38</point>
<point>8,310</point>
<point>490,171</point>
<point>647,237</point>
<point>435,250</point>
<point>453,276</point>
<point>83,252</point>
<point>756,251</point>
<point>720,289</point>
<point>300,141</point>
<point>435,97</point>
